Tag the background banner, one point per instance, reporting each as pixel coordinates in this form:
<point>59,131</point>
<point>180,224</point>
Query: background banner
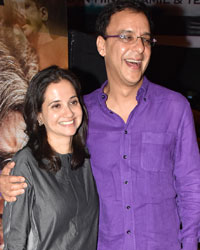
<point>177,22</point>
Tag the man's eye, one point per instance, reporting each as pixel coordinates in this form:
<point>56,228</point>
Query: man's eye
<point>146,41</point>
<point>27,6</point>
<point>127,38</point>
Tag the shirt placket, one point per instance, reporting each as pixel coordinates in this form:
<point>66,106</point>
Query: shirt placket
<point>127,193</point>
<point>127,181</point>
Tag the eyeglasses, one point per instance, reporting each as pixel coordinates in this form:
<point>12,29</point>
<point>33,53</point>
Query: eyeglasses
<point>129,38</point>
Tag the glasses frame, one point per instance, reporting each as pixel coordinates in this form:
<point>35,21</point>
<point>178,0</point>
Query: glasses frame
<point>121,36</point>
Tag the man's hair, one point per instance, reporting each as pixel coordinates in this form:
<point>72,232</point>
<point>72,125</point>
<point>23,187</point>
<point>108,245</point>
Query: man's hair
<point>110,9</point>
<point>37,134</point>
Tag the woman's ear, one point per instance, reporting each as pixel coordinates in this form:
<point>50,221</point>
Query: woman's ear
<point>101,45</point>
<point>40,120</point>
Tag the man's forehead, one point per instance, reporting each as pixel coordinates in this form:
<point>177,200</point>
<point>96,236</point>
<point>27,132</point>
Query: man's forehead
<point>128,20</point>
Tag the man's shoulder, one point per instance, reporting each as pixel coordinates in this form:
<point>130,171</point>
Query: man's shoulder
<point>91,98</point>
<point>160,93</point>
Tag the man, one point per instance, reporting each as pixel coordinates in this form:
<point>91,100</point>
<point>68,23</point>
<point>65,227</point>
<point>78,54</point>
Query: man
<point>142,142</point>
<point>43,22</point>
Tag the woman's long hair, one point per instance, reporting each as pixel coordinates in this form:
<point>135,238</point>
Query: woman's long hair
<point>37,134</point>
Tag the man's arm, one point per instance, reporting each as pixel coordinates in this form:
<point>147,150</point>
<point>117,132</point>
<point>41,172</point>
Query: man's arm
<point>187,182</point>
<point>11,186</point>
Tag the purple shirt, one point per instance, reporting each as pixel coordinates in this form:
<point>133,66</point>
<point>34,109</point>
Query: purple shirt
<point>147,171</point>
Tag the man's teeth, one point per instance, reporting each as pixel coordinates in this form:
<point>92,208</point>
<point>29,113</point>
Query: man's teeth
<point>66,123</point>
<point>133,61</point>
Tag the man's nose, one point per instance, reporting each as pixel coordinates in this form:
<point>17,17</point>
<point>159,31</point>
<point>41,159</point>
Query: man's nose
<point>139,45</point>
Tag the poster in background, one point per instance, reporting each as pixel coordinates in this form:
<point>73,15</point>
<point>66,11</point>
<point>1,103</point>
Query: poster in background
<point>177,22</point>
<point>33,35</point>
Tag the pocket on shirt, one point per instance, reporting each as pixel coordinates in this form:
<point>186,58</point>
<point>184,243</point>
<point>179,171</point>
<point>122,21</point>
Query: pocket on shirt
<point>157,151</point>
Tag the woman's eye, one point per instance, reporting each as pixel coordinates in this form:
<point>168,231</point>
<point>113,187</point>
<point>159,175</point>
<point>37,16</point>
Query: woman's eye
<point>74,102</point>
<point>56,106</point>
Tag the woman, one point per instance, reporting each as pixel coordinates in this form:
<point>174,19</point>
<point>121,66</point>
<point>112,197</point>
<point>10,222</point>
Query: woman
<point>59,209</point>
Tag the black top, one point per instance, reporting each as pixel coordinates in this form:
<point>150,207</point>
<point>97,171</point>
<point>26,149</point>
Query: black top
<point>56,212</point>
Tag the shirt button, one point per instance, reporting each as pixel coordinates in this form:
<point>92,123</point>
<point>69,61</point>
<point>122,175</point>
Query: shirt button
<point>126,182</point>
<point>125,156</point>
<point>103,96</point>
<point>128,207</point>
<point>125,132</point>
<point>128,232</point>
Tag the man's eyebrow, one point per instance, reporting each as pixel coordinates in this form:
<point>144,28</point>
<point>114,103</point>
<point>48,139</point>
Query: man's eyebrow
<point>132,32</point>
<point>147,33</point>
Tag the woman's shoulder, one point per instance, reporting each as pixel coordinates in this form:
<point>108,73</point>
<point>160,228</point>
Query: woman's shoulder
<point>24,160</point>
<point>24,154</point>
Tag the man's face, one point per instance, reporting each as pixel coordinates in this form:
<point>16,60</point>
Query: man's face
<point>30,17</point>
<point>126,62</point>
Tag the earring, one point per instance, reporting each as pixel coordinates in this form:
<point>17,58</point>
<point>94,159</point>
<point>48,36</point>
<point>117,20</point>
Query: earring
<point>40,122</point>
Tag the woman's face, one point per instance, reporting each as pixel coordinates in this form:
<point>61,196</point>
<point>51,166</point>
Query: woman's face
<point>61,112</point>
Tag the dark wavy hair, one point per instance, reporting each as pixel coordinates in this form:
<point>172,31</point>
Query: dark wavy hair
<point>110,9</point>
<point>37,134</point>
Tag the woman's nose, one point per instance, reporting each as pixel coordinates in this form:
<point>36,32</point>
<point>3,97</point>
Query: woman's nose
<point>68,112</point>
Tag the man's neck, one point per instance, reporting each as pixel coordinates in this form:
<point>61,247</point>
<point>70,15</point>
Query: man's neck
<point>121,99</point>
<point>41,38</point>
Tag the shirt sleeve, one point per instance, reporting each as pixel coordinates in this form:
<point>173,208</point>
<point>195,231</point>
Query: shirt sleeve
<point>187,180</point>
<point>16,215</point>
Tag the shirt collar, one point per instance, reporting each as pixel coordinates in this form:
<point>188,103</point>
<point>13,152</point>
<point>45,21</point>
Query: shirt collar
<point>141,92</point>
<point>143,89</point>
<point>102,96</point>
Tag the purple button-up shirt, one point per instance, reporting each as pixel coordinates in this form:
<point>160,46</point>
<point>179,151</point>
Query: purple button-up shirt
<point>147,171</point>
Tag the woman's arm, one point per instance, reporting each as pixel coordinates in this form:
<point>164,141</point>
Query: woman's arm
<point>16,215</point>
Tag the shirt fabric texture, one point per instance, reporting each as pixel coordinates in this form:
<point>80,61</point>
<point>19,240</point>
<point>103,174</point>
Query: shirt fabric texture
<point>147,171</point>
<point>56,212</point>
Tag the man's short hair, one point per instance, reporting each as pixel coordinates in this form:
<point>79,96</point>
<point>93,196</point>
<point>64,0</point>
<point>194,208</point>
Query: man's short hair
<point>110,9</point>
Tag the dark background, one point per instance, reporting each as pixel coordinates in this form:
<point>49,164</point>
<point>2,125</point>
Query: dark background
<point>175,67</point>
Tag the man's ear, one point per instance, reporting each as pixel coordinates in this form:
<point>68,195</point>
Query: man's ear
<point>101,45</point>
<point>44,14</point>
